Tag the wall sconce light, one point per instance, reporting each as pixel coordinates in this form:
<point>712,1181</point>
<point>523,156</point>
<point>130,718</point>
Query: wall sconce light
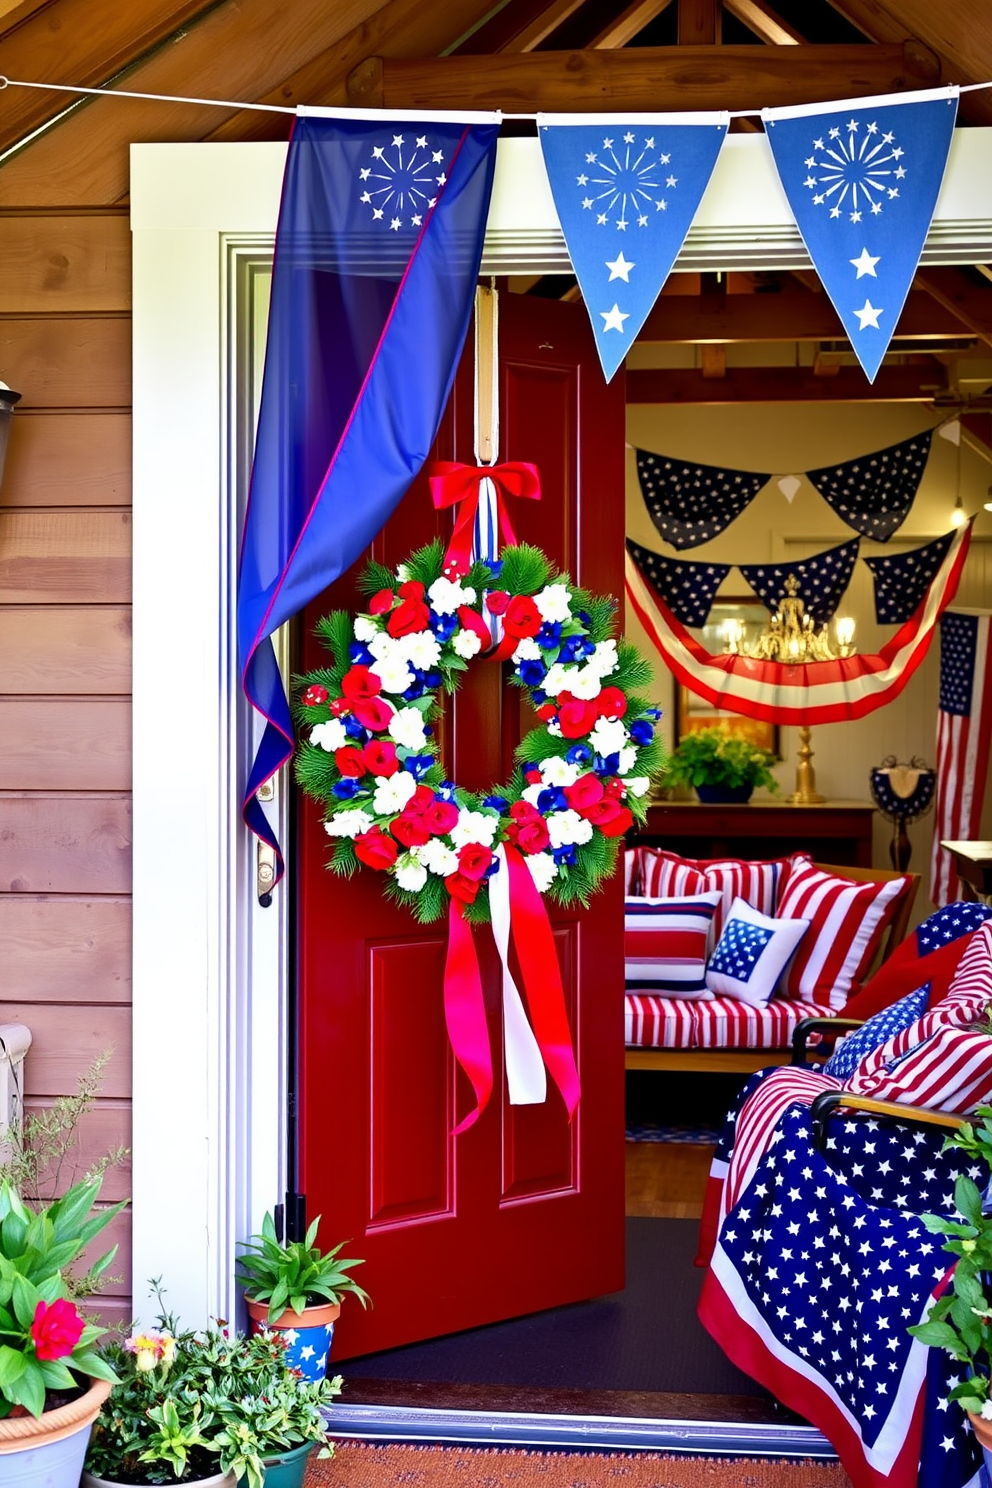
<point>8,399</point>
<point>958,515</point>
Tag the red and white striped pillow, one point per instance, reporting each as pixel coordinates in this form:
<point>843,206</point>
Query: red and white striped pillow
<point>847,920</point>
<point>664,874</point>
<point>664,945</point>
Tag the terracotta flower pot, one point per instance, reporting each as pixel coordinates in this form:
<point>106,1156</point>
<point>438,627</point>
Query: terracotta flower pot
<point>308,1334</point>
<point>982,1430</point>
<point>50,1448</point>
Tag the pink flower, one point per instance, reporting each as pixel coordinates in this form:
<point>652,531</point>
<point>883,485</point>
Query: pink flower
<point>56,1329</point>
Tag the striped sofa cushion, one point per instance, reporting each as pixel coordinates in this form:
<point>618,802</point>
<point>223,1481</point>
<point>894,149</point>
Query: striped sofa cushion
<point>654,1022</point>
<point>664,944</point>
<point>662,874</point>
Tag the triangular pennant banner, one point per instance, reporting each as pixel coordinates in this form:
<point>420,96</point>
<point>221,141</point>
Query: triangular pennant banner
<point>688,589</point>
<point>626,193</point>
<point>874,493</point>
<point>902,580</point>
<point>691,503</point>
<point>822,579</point>
<point>862,178</point>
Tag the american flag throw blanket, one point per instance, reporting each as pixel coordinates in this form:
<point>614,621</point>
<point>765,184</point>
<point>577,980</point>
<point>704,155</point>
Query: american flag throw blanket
<point>820,1267</point>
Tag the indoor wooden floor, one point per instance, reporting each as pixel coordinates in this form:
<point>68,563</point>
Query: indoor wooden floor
<point>666,1180</point>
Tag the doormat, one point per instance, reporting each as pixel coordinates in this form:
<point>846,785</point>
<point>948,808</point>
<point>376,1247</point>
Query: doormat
<point>652,1131</point>
<point>363,1465</point>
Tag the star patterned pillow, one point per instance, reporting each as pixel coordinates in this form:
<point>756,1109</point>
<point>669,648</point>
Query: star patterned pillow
<point>751,954</point>
<point>871,1035</point>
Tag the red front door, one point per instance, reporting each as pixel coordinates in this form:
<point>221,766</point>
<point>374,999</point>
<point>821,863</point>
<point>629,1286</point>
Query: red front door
<point>523,1211</point>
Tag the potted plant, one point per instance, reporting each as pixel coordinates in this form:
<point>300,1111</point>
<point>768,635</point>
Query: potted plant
<point>52,1380</point>
<point>207,1407</point>
<point>294,1286</point>
<point>721,766</point>
<point>959,1321</point>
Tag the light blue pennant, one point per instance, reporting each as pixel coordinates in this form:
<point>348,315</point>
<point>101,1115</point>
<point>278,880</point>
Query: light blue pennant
<point>862,177</point>
<point>626,191</point>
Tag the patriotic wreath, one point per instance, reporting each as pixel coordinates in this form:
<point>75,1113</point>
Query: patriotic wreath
<point>368,751</point>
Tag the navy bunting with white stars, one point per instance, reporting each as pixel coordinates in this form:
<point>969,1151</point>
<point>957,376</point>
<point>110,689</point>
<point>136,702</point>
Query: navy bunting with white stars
<point>862,178</point>
<point>688,589</point>
<point>902,579</point>
<point>822,579</point>
<point>874,493</point>
<point>626,194</point>
<point>690,503</point>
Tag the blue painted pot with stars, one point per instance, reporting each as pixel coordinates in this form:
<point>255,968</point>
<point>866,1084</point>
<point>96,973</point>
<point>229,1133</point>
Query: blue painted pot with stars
<point>308,1334</point>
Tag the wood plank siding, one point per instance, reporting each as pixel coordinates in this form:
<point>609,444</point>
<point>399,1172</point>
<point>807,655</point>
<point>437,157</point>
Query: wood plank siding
<point>65,674</point>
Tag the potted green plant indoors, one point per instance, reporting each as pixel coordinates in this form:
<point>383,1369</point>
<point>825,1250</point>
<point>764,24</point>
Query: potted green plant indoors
<point>294,1286</point>
<point>722,767</point>
<point>52,1380</point>
<point>208,1407</point>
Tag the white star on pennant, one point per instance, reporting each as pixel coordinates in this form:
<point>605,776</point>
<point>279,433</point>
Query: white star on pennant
<point>619,269</point>
<point>613,319</point>
<point>865,264</point>
<point>397,140</point>
<point>868,316</point>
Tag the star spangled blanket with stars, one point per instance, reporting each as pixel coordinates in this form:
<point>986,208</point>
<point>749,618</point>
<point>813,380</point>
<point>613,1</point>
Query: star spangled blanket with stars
<point>690,503</point>
<point>820,1268</point>
<point>862,177</point>
<point>626,191</point>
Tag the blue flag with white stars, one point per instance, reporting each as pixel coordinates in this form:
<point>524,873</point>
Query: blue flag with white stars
<point>862,178</point>
<point>626,194</point>
<point>822,579</point>
<point>688,589</point>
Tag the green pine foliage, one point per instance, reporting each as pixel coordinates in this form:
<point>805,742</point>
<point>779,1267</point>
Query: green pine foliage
<point>424,566</point>
<point>336,631</point>
<point>344,859</point>
<point>525,570</point>
<point>375,576</point>
<point>316,771</point>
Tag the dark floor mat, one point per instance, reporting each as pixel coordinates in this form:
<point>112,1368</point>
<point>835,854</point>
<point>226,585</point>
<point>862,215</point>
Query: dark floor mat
<point>644,1338</point>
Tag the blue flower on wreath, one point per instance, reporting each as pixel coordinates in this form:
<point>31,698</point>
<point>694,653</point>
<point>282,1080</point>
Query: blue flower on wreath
<point>346,789</point>
<point>495,566</point>
<point>433,678</point>
<point>418,764</point>
<point>445,791</point>
<point>579,754</point>
<point>497,803</point>
<point>493,868</point>
<point>641,731</point>
<point>417,687</point>
<point>360,653</point>
<point>531,673</point>
<point>549,635</point>
<point>565,854</point>
<point>584,617</point>
<point>552,798</point>
<point>354,729</point>
<point>538,697</point>
<point>606,764</point>
<point>444,626</point>
<point>571,649</point>
<point>654,713</point>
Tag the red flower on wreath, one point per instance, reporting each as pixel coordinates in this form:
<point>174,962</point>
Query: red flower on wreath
<point>474,860</point>
<point>440,817</point>
<point>381,602</point>
<point>497,602</point>
<point>614,788</point>
<point>612,703</point>
<point>522,617</point>
<point>359,683</point>
<point>409,829</point>
<point>412,614</point>
<point>461,887</point>
<point>470,619</point>
<point>314,696</point>
<point>586,791</point>
<point>350,761</point>
<point>603,811</point>
<point>376,849</point>
<point>577,716</point>
<point>619,825</point>
<point>56,1329</point>
<point>527,828</point>
<point>379,757</point>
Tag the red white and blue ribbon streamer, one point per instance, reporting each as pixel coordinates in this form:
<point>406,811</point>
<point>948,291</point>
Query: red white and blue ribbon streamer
<point>809,693</point>
<point>377,253</point>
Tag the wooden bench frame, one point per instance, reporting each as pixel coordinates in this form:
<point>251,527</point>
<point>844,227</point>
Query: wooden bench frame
<point>746,1061</point>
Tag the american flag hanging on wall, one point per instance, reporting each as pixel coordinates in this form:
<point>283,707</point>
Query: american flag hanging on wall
<point>690,503</point>
<point>964,732</point>
<point>822,579</point>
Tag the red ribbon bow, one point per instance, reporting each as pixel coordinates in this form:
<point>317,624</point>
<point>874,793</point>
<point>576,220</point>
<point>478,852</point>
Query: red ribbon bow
<point>455,484</point>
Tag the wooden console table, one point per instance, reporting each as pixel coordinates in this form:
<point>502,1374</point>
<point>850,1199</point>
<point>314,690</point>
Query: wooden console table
<point>837,832</point>
<point>973,860</point>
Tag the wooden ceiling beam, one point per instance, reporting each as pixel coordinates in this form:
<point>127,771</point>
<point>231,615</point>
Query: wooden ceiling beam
<point>766,23</point>
<point>915,384</point>
<point>400,28</point>
<point>700,77</point>
<point>699,22</point>
<point>783,317</point>
<point>628,24</point>
<point>971,303</point>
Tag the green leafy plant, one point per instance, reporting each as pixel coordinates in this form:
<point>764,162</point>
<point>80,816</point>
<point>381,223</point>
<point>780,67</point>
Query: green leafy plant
<point>959,1321</point>
<point>294,1273</point>
<point>714,756</point>
<point>46,1345</point>
<point>193,1403</point>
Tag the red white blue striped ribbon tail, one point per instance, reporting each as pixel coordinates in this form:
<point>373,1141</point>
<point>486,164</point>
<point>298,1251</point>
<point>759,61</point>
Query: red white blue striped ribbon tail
<point>809,693</point>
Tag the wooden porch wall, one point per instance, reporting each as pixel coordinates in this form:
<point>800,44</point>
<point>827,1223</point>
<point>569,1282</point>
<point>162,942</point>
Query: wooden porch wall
<point>65,668</point>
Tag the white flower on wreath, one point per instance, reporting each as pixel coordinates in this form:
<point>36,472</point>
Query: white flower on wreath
<point>608,736</point>
<point>422,649</point>
<point>402,574</point>
<point>348,823</point>
<point>445,597</point>
<point>638,785</point>
<point>553,602</point>
<point>465,643</point>
<point>558,679</point>
<point>585,683</point>
<point>473,826</point>
<point>604,659</point>
<point>628,759</point>
<point>406,727</point>
<point>531,792</point>
<point>543,870</point>
<point>566,827</point>
<point>393,672</point>
<point>365,628</point>
<point>436,857</point>
<point>410,874</point>
<point>557,771</point>
<point>392,793</point>
<point>527,650</point>
<point>383,646</point>
<point>330,735</point>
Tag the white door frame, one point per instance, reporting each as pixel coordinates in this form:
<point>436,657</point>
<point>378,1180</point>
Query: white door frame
<point>210,993</point>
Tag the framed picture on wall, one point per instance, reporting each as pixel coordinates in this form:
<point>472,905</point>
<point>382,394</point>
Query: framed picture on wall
<point>692,712</point>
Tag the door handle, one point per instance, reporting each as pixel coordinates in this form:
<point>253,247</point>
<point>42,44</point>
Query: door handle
<point>265,873</point>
